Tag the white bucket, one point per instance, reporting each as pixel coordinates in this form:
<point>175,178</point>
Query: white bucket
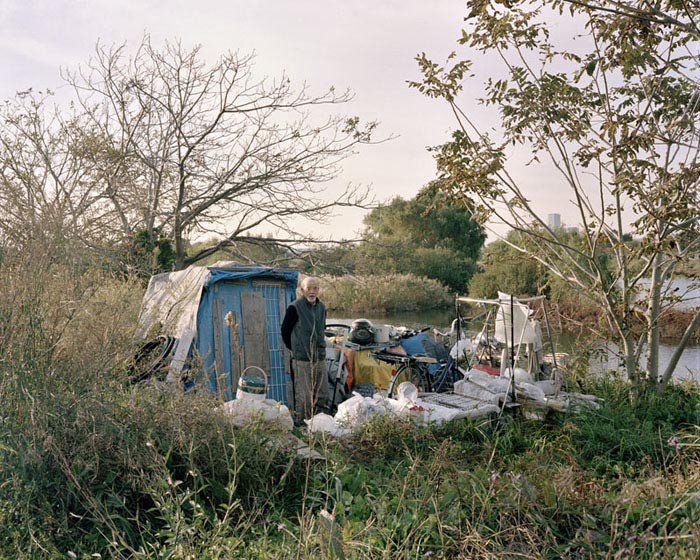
<point>252,387</point>
<point>382,333</point>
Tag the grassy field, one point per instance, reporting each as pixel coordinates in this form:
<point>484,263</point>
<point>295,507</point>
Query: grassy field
<point>91,467</point>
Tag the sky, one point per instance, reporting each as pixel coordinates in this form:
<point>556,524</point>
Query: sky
<point>368,46</point>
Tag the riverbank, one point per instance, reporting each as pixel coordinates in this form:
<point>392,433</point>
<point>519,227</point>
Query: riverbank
<point>578,318</point>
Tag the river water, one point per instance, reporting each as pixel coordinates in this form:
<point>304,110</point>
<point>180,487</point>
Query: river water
<point>603,360</point>
<point>687,289</point>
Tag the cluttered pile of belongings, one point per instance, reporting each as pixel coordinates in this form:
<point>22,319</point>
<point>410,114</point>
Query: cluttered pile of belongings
<point>512,343</point>
<point>219,326</point>
<point>349,349</point>
<point>478,395</point>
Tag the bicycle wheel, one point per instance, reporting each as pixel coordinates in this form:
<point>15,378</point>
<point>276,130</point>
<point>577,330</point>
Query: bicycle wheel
<point>409,373</point>
<point>446,376</point>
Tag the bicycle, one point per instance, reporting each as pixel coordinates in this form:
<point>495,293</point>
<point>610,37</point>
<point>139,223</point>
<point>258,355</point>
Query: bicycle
<point>416,369</point>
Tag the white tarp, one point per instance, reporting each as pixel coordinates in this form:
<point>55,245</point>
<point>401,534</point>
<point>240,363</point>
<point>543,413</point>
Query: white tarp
<point>172,300</point>
<point>520,327</point>
<point>170,304</point>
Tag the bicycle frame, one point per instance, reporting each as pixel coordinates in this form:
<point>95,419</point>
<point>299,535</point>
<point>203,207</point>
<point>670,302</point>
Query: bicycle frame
<point>415,369</point>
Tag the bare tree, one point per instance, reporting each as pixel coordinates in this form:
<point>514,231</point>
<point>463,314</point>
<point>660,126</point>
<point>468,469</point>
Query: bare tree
<point>48,195</point>
<point>619,122</point>
<point>181,148</point>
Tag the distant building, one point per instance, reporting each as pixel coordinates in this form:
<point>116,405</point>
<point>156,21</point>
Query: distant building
<point>554,221</point>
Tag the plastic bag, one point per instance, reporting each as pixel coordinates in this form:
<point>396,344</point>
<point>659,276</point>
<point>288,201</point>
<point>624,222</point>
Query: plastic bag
<point>463,347</point>
<point>498,385</point>
<point>324,423</point>
<point>467,388</point>
<point>521,375</point>
<point>245,411</point>
<point>530,392</point>
<point>549,386</point>
<point>356,410</point>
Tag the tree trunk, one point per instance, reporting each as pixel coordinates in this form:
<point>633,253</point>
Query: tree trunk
<point>652,320</point>
<point>631,369</point>
<point>180,249</point>
<point>678,351</point>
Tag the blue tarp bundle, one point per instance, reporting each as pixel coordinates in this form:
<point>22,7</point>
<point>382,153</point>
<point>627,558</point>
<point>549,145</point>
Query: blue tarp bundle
<point>423,343</point>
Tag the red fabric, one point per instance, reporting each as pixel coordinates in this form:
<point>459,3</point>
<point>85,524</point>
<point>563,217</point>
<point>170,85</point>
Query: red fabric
<point>496,372</point>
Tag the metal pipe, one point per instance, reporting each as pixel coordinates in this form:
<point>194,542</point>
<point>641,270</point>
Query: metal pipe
<point>464,299</point>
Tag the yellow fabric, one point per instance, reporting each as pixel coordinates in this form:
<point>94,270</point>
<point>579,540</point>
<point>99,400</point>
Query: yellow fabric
<point>368,370</point>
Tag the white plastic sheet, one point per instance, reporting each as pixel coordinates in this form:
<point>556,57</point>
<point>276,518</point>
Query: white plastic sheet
<point>518,322</point>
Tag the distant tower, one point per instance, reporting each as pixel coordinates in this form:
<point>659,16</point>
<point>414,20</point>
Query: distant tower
<point>554,221</point>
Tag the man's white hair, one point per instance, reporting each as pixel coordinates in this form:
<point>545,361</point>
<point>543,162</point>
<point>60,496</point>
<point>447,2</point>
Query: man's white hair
<point>309,280</point>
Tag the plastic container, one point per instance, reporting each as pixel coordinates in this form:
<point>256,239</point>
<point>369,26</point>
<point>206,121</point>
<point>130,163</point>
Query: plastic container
<point>382,333</point>
<point>252,385</point>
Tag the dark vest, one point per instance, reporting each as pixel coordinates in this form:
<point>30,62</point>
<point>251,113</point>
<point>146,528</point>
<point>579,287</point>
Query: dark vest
<point>308,335</point>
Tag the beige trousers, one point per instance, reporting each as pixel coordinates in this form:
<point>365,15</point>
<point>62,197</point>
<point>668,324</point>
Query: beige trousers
<point>311,388</point>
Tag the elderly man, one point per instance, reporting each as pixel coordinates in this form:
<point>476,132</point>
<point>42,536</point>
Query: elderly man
<point>303,332</point>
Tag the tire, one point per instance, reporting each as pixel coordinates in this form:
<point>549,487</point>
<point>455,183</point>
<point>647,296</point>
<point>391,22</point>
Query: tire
<point>408,373</point>
<point>444,379</point>
<point>151,359</point>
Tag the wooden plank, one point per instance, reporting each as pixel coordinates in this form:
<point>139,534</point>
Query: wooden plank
<point>257,347</point>
<point>218,349</point>
<point>234,348</point>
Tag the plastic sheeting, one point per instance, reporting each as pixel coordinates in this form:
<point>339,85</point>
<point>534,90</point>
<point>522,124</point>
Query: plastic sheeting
<point>515,320</point>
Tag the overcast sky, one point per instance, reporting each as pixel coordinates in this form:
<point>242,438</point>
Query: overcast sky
<point>366,45</point>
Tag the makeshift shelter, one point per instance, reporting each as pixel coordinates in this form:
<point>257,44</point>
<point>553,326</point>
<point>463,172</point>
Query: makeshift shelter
<point>225,318</point>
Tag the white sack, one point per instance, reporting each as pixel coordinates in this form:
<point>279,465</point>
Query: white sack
<point>324,423</point>
<point>494,384</point>
<point>549,386</point>
<point>521,376</point>
<point>530,392</point>
<point>245,411</point>
<point>471,390</point>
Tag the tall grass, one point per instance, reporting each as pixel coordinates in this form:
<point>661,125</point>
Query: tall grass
<point>91,467</point>
<point>383,294</point>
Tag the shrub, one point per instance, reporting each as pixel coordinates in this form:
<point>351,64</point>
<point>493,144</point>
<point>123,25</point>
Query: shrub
<point>624,437</point>
<point>393,292</point>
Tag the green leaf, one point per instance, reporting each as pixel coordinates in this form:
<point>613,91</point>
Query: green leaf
<point>590,67</point>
